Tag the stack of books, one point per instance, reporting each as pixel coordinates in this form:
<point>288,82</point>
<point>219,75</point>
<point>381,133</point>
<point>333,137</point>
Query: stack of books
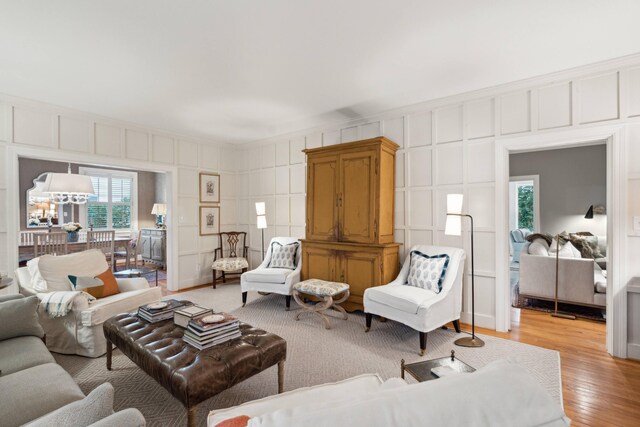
<point>182,316</point>
<point>213,329</point>
<point>159,311</point>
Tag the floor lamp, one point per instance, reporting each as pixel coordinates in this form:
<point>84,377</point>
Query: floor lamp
<point>453,227</point>
<point>555,311</point>
<point>261,222</point>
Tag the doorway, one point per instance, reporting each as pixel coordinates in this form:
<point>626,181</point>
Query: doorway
<point>613,138</point>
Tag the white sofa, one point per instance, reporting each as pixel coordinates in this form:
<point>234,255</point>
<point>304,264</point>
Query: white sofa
<point>80,331</point>
<point>421,309</point>
<point>581,281</point>
<point>272,280</point>
<point>500,394</point>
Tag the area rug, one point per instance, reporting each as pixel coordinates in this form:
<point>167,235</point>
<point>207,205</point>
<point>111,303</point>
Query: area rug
<point>314,356</point>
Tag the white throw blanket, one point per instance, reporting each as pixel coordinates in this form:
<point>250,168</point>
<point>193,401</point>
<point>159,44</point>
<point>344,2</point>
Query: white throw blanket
<point>58,304</point>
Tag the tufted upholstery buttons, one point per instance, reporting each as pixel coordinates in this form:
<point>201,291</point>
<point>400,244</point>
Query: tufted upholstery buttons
<point>192,375</point>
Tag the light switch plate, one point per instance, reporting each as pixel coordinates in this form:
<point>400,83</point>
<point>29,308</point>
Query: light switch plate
<point>636,223</point>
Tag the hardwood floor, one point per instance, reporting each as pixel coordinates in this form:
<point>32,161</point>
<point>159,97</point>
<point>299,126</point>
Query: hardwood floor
<point>598,390</point>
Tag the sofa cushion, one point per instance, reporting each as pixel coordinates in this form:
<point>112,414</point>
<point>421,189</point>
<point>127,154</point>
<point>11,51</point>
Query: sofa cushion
<point>104,308</point>
<point>339,390</point>
<point>36,281</point>
<point>403,298</point>
<point>539,247</point>
<point>56,269</point>
<point>34,392</point>
<point>268,275</point>
<point>100,286</point>
<point>427,271</point>
<point>19,317</point>
<point>17,354</point>
<point>97,405</point>
<point>501,394</point>
<point>566,251</point>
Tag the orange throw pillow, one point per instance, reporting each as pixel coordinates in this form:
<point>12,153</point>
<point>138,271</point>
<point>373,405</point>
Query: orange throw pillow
<point>110,286</point>
<point>239,421</point>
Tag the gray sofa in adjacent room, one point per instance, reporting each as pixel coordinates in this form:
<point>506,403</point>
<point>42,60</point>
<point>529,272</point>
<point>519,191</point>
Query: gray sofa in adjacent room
<point>34,389</point>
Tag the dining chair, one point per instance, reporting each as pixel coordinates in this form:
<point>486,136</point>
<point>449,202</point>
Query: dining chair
<point>103,240</point>
<point>132,250</point>
<point>49,244</point>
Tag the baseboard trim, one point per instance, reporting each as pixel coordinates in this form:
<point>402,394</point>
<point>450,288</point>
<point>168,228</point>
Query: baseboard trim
<point>482,320</point>
<point>633,351</point>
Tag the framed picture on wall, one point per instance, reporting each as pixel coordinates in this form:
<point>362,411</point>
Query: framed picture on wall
<point>209,220</point>
<point>209,188</point>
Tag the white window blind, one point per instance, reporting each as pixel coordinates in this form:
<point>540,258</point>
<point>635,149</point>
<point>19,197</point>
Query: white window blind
<point>113,205</point>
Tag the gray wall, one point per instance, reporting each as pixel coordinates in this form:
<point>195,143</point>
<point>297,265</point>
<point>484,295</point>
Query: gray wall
<point>29,169</point>
<point>571,180</point>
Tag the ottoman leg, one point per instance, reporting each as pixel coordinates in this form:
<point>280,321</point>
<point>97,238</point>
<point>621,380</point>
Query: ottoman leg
<point>368,317</point>
<point>280,376</point>
<point>109,354</point>
<point>191,416</point>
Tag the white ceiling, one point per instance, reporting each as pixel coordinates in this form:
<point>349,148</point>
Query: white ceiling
<point>242,70</point>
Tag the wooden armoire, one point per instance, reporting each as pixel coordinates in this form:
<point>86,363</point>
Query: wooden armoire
<point>350,209</point>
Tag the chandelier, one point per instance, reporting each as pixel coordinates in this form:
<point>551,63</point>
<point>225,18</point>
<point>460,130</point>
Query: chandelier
<point>66,188</point>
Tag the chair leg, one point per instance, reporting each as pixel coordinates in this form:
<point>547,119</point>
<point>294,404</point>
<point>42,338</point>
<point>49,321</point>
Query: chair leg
<point>224,279</point>
<point>368,317</point>
<point>244,299</point>
<point>423,343</point>
<point>288,301</point>
<point>456,325</point>
<point>214,279</point>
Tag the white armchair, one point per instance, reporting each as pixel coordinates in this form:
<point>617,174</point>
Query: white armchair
<point>421,309</point>
<point>80,330</point>
<point>272,280</point>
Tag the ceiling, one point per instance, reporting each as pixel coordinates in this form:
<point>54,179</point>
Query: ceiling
<point>242,70</point>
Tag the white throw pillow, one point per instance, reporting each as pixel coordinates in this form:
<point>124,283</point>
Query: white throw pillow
<point>566,251</point>
<point>37,282</point>
<point>283,256</point>
<point>56,269</point>
<point>539,247</point>
<point>427,272</point>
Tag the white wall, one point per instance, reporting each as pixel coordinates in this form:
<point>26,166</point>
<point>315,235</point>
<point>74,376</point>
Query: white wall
<point>58,133</point>
<point>447,146</point>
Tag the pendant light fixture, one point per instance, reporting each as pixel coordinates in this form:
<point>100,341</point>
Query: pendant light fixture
<point>66,188</point>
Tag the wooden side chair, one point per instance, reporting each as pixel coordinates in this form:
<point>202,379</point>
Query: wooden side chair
<point>230,258</point>
<point>49,244</point>
<point>131,251</point>
<point>103,240</point>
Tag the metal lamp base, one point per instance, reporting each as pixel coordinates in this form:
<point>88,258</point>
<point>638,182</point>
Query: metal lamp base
<point>564,316</point>
<point>469,342</point>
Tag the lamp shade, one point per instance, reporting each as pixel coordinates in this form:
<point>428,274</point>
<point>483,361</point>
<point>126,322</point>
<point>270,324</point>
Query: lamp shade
<point>67,183</point>
<point>260,208</point>
<point>453,225</point>
<point>159,209</point>
<point>454,203</point>
<point>262,221</point>
<point>589,214</point>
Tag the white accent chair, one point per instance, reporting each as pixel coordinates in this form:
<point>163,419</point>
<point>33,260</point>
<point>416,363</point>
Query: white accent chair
<point>80,331</point>
<point>420,309</point>
<point>273,280</point>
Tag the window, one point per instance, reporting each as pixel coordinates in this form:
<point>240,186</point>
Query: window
<point>523,202</point>
<point>114,204</point>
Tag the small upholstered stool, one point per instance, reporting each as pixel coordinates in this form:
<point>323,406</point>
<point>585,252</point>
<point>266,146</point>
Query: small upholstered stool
<point>321,289</point>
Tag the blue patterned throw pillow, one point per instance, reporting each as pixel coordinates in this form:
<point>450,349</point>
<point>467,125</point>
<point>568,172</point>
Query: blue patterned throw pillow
<point>283,256</point>
<point>427,272</point>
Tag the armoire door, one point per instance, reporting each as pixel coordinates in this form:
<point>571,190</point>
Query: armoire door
<point>360,270</point>
<point>357,198</point>
<point>318,263</point>
<point>322,201</point>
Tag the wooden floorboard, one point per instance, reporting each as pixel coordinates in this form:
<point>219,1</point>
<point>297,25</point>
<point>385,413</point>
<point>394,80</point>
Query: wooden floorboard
<point>598,389</point>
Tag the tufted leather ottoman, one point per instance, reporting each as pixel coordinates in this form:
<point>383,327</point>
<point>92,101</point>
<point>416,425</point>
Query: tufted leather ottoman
<point>192,375</point>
